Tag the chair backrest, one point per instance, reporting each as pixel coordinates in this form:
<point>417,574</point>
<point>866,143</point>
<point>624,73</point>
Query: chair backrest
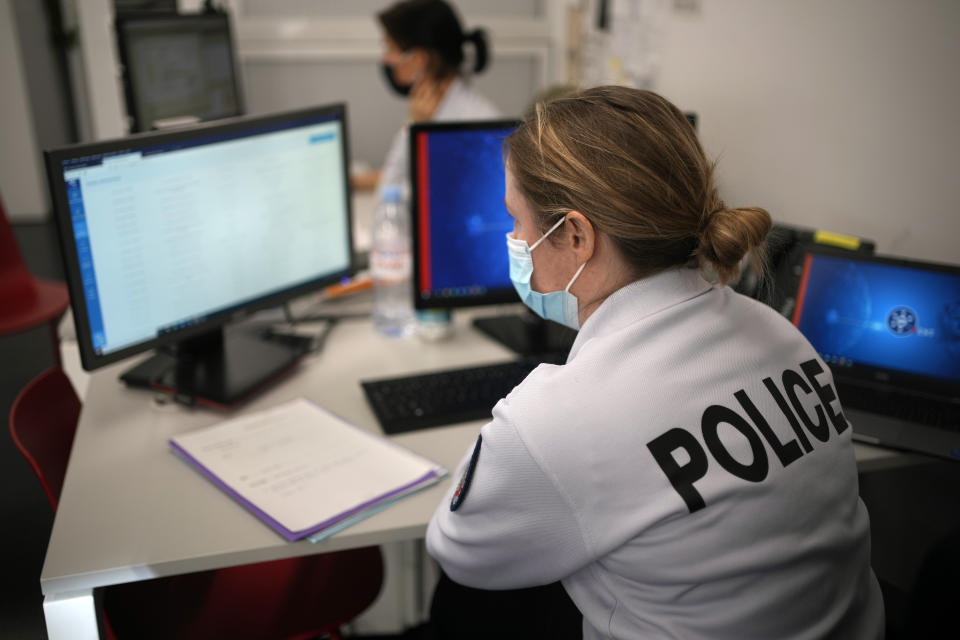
<point>43,420</point>
<point>25,301</point>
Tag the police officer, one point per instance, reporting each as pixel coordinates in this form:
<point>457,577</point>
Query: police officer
<point>688,473</point>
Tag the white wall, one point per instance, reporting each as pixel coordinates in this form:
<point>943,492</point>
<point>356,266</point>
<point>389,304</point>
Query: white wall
<point>836,114</point>
<point>22,185</point>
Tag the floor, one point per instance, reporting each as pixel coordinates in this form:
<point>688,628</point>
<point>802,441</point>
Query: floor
<point>912,509</point>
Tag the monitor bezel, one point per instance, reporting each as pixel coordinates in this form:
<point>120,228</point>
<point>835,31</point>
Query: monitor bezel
<point>181,21</point>
<point>874,375</point>
<point>505,295</point>
<point>54,158</point>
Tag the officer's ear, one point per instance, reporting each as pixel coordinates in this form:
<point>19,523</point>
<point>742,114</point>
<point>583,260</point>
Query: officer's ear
<point>581,237</point>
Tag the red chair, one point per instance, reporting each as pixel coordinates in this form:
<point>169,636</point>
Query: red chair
<point>296,598</point>
<point>26,301</point>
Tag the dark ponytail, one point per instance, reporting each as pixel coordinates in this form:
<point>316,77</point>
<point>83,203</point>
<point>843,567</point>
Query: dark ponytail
<point>479,39</point>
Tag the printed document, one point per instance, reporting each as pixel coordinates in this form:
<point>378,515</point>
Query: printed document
<point>303,469</point>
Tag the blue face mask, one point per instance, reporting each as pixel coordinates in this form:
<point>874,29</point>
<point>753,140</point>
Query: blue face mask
<point>559,306</point>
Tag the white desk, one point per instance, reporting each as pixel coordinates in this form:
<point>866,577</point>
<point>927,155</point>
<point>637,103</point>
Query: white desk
<point>131,510</point>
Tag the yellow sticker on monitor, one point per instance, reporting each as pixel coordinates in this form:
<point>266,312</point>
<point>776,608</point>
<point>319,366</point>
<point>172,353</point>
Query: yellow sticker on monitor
<point>837,240</point>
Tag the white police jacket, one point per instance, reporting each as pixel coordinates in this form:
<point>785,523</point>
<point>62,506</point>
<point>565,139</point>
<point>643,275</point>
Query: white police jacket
<point>461,102</point>
<point>688,473</point>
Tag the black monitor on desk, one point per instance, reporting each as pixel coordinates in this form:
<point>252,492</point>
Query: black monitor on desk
<point>460,223</point>
<point>168,237</point>
<point>178,68</point>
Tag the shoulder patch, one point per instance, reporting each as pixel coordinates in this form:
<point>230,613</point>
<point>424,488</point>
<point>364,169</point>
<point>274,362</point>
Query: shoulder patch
<point>464,485</point>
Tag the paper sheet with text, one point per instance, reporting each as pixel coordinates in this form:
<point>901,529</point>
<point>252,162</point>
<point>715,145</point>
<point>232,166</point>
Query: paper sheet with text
<point>302,466</point>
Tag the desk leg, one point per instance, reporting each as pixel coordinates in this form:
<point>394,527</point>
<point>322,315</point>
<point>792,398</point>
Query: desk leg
<point>71,616</point>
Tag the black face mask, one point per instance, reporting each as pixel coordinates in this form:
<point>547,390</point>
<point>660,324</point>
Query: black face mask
<point>401,89</point>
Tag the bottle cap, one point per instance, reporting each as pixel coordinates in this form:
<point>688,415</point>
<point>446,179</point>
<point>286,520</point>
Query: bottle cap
<point>392,193</point>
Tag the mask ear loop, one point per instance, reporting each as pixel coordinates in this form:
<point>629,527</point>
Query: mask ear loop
<point>575,276</point>
<point>551,230</point>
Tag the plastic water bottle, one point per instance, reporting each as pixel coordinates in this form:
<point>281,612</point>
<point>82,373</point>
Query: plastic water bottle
<point>391,266</point>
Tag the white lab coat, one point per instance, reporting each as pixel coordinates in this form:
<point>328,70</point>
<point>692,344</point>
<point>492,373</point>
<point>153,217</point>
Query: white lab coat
<point>461,102</point>
<point>668,476</point>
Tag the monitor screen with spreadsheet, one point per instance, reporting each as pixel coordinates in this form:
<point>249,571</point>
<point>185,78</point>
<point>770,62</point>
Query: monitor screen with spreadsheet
<point>168,236</point>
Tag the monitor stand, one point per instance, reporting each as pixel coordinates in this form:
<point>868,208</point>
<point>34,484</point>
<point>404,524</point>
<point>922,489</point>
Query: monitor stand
<point>528,335</point>
<point>219,368</point>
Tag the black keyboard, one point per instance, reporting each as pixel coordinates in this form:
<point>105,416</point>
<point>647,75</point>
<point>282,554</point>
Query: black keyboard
<point>444,397</point>
<point>930,411</point>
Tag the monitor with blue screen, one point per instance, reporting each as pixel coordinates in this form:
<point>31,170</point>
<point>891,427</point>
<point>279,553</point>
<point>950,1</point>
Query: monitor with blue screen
<point>882,318</point>
<point>460,225</point>
<point>169,236</point>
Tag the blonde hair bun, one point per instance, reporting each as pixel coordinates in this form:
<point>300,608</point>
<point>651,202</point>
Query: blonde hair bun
<point>730,234</point>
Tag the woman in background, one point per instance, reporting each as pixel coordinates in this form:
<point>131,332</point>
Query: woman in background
<point>424,60</point>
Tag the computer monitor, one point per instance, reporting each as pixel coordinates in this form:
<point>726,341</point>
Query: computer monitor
<point>169,236</point>
<point>460,223</point>
<point>786,246</point>
<point>882,319</point>
<point>178,68</point>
